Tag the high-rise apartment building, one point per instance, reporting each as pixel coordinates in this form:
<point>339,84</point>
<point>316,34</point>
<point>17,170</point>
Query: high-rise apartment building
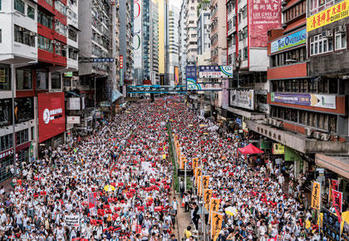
<point>173,42</point>
<point>203,33</point>
<point>190,23</point>
<point>182,42</point>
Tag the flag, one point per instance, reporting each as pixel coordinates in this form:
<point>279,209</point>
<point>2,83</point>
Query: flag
<point>216,224</point>
<point>337,199</point>
<point>207,197</point>
<point>316,196</point>
<point>206,181</point>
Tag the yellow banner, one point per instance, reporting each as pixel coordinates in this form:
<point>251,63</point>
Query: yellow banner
<point>200,186</point>
<point>207,197</point>
<point>316,196</point>
<point>327,16</point>
<point>197,175</point>
<point>195,162</point>
<point>214,206</point>
<point>206,181</point>
<point>216,224</point>
<point>278,149</point>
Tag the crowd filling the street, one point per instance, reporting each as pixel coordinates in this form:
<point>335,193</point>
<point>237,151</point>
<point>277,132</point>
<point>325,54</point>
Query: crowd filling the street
<point>119,184</point>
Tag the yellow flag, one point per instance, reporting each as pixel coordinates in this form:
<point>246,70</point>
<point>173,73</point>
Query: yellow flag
<point>207,197</point>
<point>316,196</point>
<point>214,206</point>
<point>206,181</point>
<point>195,162</point>
<point>197,176</point>
<point>216,225</point>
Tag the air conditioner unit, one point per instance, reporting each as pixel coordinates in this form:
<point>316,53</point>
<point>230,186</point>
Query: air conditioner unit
<point>32,34</point>
<point>308,132</point>
<point>279,124</point>
<point>270,121</point>
<point>317,135</point>
<point>291,60</point>
<point>20,29</point>
<point>275,122</point>
<point>325,137</point>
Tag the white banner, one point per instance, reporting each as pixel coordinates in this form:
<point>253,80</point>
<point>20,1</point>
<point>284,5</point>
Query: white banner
<point>73,103</point>
<point>72,220</point>
<point>73,119</point>
<point>242,98</point>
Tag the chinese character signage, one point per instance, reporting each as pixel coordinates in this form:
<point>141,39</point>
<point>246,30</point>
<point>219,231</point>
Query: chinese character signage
<point>263,16</point>
<point>316,196</point>
<point>289,41</point>
<point>323,101</point>
<point>192,83</point>
<point>278,149</point>
<point>215,72</point>
<point>337,198</point>
<point>327,16</point>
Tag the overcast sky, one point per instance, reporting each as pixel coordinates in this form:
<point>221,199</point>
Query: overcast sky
<point>177,3</point>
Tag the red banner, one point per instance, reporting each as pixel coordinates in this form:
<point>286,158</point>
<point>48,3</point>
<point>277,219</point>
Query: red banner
<point>337,199</point>
<point>51,115</point>
<point>263,16</point>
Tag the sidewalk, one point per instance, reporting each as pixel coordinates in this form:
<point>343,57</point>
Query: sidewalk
<point>183,220</point>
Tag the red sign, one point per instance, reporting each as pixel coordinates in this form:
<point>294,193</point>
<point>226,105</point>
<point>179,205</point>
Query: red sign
<point>337,198</point>
<point>263,16</point>
<point>51,115</point>
<point>121,60</point>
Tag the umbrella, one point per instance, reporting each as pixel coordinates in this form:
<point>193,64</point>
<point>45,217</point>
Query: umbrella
<point>109,188</point>
<point>231,211</point>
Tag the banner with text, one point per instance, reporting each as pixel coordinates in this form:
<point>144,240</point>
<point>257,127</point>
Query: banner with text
<point>242,98</point>
<point>322,101</point>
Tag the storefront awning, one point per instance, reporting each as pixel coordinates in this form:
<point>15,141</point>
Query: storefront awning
<point>337,164</point>
<point>115,95</point>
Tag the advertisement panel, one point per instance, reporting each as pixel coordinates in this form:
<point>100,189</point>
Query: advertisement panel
<point>327,16</point>
<point>216,71</point>
<point>316,196</point>
<point>330,225</point>
<point>137,33</point>
<point>176,75</point>
<point>51,115</point>
<point>263,16</point>
<point>73,103</point>
<point>242,98</point>
<point>192,83</point>
<point>323,101</point>
<point>73,119</point>
<point>289,41</point>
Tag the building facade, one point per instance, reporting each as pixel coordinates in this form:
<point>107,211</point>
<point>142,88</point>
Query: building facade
<point>182,52</point>
<point>173,44</point>
<point>190,23</point>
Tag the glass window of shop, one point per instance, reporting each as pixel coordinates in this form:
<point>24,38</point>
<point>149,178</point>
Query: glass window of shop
<point>5,112</point>
<point>6,142</point>
<point>56,80</point>
<point>5,169</point>
<point>22,137</point>
<point>24,109</point>
<point>42,80</point>
<point>22,155</point>
<point>24,79</point>
<point>5,78</point>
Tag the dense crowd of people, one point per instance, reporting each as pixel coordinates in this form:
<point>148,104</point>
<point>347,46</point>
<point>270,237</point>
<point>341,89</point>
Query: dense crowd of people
<point>262,210</point>
<point>112,185</point>
<point>116,185</point>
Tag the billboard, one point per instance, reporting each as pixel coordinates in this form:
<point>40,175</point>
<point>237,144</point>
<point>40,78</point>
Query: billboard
<point>322,101</point>
<point>176,75</point>
<point>51,115</point>
<point>263,16</point>
<point>327,16</point>
<point>137,36</point>
<point>215,71</point>
<point>242,98</point>
<point>289,41</point>
<point>190,72</point>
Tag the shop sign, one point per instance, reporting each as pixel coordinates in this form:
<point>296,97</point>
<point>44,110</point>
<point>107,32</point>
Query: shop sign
<point>327,16</point>
<point>242,98</point>
<point>74,103</point>
<point>316,196</point>
<point>278,149</point>
<point>191,78</point>
<point>6,153</point>
<point>322,101</point>
<point>291,155</point>
<point>289,41</point>
<point>73,119</point>
<point>9,152</point>
<point>51,115</point>
<point>216,71</point>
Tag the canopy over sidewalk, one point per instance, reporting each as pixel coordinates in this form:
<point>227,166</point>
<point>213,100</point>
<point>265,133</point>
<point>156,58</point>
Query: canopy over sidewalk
<point>250,149</point>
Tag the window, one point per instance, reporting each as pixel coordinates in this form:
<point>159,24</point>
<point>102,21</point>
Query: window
<point>45,44</point>
<point>19,6</point>
<point>22,136</point>
<point>30,12</point>
<point>56,81</point>
<point>245,53</point>
<point>24,109</point>
<point>61,7</point>
<point>60,28</point>
<point>24,36</point>
<point>67,82</point>
<point>5,112</point>
<point>320,45</point>
<point>6,142</point>
<point>0,34</point>
<point>23,79</point>
<point>5,80</point>
<point>72,35</point>
<point>73,53</point>
<point>341,41</point>
<point>45,19</point>
<point>42,80</point>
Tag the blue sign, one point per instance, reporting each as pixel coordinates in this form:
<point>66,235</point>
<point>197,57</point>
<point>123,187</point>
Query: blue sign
<point>289,41</point>
<point>192,82</point>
